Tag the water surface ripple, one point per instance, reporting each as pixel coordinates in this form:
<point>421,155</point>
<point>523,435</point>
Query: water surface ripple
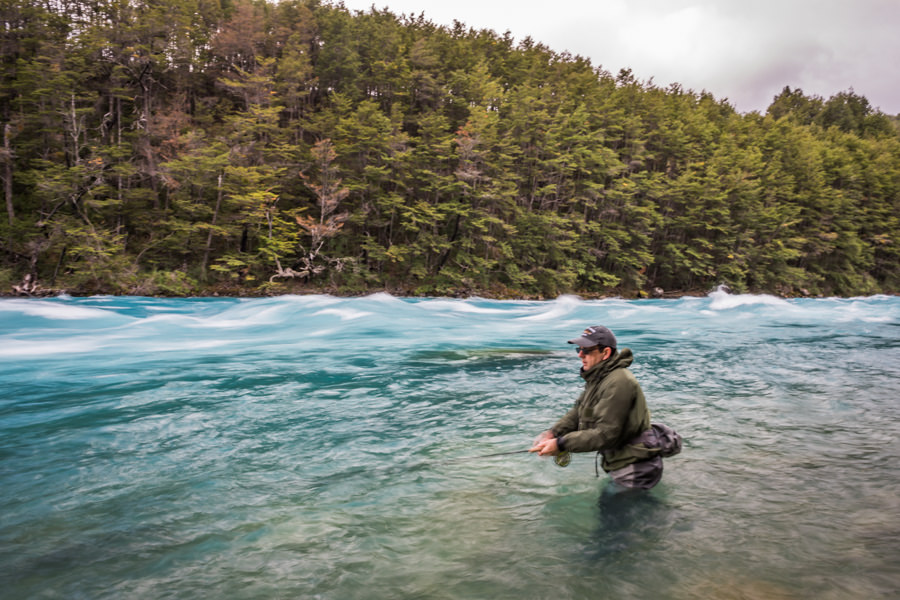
<point>310,447</point>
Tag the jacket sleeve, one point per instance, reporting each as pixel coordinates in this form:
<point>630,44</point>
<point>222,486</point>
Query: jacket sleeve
<point>569,421</point>
<point>605,417</point>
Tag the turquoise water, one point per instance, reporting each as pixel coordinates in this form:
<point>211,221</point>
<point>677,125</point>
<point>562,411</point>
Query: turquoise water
<point>318,447</point>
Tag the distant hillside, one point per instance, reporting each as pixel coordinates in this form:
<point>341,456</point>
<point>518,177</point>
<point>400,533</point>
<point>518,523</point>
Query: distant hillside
<point>194,147</point>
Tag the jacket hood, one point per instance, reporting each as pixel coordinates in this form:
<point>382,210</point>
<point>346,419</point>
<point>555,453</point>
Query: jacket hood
<point>620,359</point>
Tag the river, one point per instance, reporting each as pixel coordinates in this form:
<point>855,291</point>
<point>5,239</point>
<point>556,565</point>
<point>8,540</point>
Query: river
<point>325,447</point>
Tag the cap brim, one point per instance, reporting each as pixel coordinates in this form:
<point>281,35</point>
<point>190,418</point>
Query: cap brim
<point>583,342</point>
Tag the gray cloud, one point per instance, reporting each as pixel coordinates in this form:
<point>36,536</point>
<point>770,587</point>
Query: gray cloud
<point>744,51</point>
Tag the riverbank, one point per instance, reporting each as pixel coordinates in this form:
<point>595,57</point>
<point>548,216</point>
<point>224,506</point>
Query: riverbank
<point>226,290</point>
<point>175,285</point>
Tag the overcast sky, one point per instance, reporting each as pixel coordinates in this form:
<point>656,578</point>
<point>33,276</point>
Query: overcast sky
<point>744,51</point>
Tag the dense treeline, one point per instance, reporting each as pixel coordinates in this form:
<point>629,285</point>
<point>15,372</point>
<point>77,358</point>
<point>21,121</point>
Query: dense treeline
<point>189,146</point>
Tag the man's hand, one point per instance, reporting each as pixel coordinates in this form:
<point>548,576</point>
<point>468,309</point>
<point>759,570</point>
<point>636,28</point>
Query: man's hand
<point>546,435</point>
<point>545,445</point>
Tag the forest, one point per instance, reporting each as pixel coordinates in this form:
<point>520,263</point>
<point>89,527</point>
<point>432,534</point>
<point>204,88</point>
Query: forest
<point>254,147</point>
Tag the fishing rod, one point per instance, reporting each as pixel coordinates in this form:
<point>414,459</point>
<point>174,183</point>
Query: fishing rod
<point>468,458</point>
<point>562,459</point>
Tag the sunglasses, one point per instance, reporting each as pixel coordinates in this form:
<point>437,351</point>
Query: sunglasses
<point>579,349</point>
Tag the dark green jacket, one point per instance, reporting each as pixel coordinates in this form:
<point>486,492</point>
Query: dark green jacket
<point>609,412</point>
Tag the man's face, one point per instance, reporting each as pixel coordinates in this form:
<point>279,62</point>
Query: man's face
<point>592,356</point>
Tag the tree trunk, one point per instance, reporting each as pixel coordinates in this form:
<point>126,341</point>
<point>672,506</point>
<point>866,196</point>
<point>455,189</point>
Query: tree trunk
<point>210,235</point>
<point>8,174</point>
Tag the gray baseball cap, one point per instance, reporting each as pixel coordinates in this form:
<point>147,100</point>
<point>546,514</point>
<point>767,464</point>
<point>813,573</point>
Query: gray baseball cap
<point>595,335</point>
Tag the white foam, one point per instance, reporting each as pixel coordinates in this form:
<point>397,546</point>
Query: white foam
<point>557,309</point>
<point>321,333</point>
<point>344,314</point>
<point>384,297</point>
<point>52,310</point>
<point>31,348</point>
<point>312,300</point>
<point>462,306</point>
<point>722,300</point>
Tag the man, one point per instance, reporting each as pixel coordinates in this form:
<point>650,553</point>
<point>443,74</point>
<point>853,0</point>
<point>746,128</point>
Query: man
<point>610,416</point>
